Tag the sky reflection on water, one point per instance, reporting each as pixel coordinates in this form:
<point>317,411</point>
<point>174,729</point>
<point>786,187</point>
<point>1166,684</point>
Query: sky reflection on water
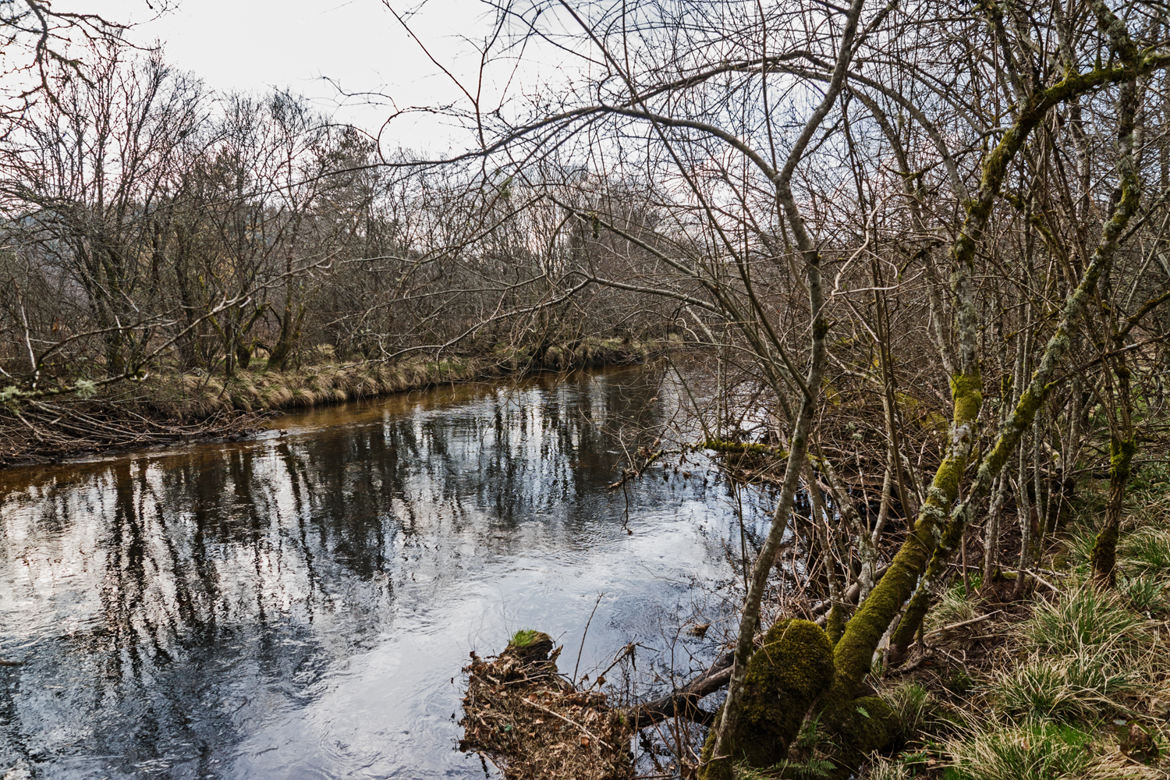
<point>301,605</point>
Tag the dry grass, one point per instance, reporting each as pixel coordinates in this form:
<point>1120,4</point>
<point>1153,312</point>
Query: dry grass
<point>168,406</point>
<point>1037,750</point>
<point>189,396</point>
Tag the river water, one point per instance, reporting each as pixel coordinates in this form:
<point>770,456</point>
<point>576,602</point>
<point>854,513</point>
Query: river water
<point>301,605</point>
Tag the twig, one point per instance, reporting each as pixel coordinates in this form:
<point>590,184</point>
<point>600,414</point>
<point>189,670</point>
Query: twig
<point>573,723</point>
<point>637,471</point>
<point>962,623</point>
<point>1044,582</point>
<point>585,633</point>
<point>625,652</point>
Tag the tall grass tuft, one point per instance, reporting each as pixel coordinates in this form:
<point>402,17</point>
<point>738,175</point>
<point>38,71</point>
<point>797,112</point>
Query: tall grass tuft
<point>1086,687</point>
<point>1027,751</point>
<point>955,606</point>
<point>1146,593</point>
<point>886,769</point>
<point>917,711</point>
<point>1087,619</point>
<point>1146,551</point>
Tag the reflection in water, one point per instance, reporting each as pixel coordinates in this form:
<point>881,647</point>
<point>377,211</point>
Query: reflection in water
<point>301,605</point>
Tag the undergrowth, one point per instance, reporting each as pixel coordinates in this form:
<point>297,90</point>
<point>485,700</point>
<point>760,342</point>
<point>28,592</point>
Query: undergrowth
<point>1075,686</point>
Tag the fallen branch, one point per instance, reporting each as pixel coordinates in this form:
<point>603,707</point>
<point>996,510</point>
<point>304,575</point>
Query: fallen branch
<point>684,702</point>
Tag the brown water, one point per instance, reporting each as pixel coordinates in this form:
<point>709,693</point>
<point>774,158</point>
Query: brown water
<point>300,605</point>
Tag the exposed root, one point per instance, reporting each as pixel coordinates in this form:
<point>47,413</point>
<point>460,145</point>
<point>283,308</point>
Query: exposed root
<point>44,432</point>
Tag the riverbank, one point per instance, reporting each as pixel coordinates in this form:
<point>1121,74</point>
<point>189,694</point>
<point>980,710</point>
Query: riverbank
<point>170,407</point>
<point>1064,678</point>
<point>1068,679</point>
<point>1071,681</point>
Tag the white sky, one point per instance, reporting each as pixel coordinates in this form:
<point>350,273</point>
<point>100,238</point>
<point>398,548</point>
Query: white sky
<point>254,45</point>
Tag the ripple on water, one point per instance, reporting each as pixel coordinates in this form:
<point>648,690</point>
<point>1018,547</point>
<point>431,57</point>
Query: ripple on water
<point>302,606</point>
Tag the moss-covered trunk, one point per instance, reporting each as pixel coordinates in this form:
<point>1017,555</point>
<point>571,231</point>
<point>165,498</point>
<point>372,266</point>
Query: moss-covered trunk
<point>1122,447</point>
<point>1104,555</point>
<point>718,763</point>
<point>938,528</point>
<point>1023,415</point>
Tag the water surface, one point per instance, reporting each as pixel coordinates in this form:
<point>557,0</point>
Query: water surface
<point>301,605</point>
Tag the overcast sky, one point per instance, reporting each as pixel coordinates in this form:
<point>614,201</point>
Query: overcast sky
<point>254,45</point>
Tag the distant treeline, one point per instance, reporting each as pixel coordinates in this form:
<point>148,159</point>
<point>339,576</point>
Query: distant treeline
<point>148,221</point>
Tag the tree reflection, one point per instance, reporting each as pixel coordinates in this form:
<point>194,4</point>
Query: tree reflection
<point>172,601</point>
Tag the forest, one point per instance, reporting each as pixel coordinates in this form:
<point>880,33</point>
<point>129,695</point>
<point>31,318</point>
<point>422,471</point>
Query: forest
<point>910,261</point>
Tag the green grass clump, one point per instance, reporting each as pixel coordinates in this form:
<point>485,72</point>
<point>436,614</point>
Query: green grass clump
<point>1081,660</point>
<point>1084,687</point>
<point>955,606</point>
<point>1151,480</point>
<point>524,637</point>
<point>1027,751</point>
<point>1145,593</point>
<point>1088,619</point>
<point>1146,551</point>
<point>276,396</point>
<point>1078,548</point>
<point>303,396</point>
<point>888,769</point>
<point>916,711</point>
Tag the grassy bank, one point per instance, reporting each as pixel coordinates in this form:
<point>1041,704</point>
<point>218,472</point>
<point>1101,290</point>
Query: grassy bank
<point>1071,682</point>
<point>195,395</point>
<point>170,406</point>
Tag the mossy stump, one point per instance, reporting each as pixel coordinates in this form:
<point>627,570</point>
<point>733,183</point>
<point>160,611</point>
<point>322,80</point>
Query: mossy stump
<point>784,678</point>
<point>530,646</point>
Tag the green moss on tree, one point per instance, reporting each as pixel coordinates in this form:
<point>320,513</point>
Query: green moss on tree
<point>860,727</point>
<point>1104,555</point>
<point>1120,458</point>
<point>744,447</point>
<point>784,679</point>
<point>967,392</point>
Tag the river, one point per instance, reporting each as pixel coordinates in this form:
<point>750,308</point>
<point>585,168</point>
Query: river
<point>300,605</point>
